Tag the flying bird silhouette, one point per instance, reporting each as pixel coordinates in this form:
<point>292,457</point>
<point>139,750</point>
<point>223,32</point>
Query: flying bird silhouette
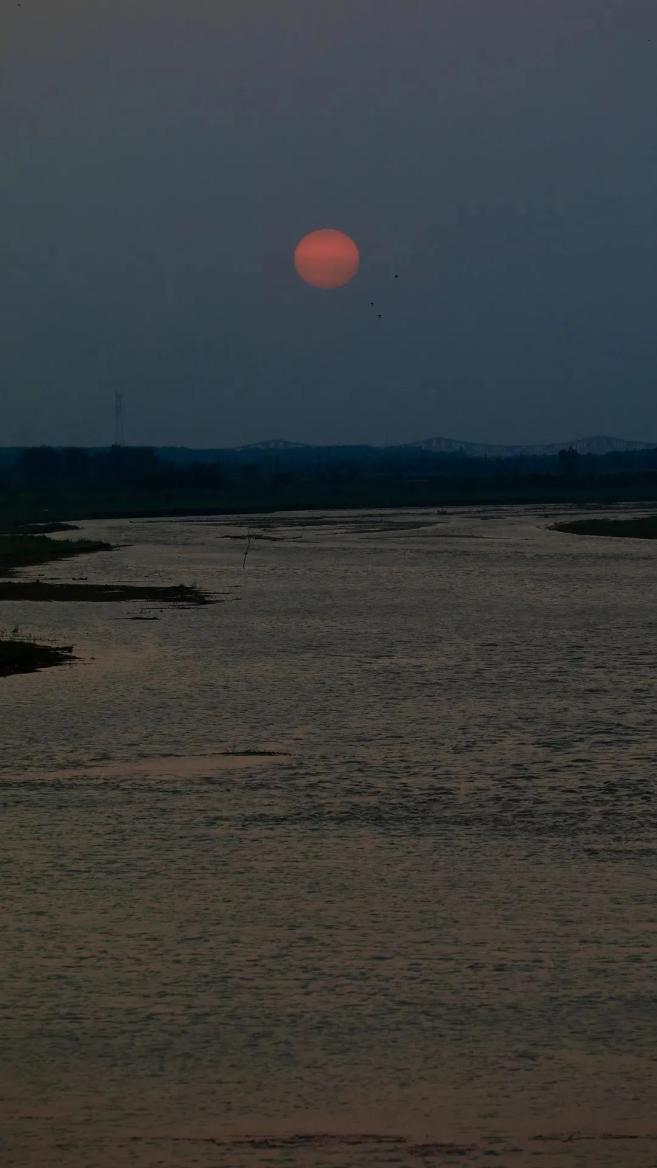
<point>379,315</point>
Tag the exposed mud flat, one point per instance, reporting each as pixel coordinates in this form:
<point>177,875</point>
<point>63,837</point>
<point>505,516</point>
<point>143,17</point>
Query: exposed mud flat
<point>43,591</point>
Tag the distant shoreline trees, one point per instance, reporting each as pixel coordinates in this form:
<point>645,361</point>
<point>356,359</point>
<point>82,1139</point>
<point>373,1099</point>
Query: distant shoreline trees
<point>301,473</point>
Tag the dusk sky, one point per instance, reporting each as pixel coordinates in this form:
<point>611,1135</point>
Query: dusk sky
<point>162,158</point>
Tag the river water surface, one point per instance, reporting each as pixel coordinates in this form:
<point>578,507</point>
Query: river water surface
<point>354,867</point>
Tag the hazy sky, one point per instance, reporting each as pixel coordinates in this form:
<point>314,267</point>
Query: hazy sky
<point>160,159</point>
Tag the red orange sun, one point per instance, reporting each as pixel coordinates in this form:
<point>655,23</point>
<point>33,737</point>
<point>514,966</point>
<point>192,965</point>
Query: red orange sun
<point>326,258</point>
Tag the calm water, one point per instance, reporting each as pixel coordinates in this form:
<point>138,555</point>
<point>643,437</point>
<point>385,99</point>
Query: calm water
<point>424,932</point>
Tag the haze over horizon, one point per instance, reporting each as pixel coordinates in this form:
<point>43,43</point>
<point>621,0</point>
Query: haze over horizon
<point>162,160</point>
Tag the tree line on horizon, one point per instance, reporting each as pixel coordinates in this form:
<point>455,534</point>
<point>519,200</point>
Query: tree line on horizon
<point>146,468</point>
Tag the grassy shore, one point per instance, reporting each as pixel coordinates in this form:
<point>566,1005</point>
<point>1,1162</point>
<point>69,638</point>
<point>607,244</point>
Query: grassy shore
<point>19,656</point>
<point>19,550</point>
<point>40,590</point>
<point>28,517</point>
<point>644,528</point>
<point>46,507</point>
<point>24,543</point>
<point>21,546</point>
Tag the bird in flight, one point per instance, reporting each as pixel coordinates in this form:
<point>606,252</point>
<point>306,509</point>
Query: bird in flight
<point>379,315</point>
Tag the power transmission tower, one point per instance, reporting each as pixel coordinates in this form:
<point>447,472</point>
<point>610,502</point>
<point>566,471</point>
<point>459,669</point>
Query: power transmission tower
<point>119,429</point>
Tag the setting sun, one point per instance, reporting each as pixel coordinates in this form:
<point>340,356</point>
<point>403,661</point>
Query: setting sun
<point>326,258</point>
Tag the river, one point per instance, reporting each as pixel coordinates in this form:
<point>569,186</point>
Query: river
<point>355,866</point>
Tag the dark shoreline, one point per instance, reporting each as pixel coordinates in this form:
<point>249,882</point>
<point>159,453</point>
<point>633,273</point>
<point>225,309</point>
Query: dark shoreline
<point>18,656</point>
<point>39,590</point>
<point>643,528</point>
<point>41,510</point>
<point>24,543</point>
<point>25,550</point>
<point>23,547</point>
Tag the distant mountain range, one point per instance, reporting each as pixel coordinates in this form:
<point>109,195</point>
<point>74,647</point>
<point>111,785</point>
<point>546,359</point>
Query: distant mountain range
<point>599,444</point>
<point>276,444</point>
<point>301,452</point>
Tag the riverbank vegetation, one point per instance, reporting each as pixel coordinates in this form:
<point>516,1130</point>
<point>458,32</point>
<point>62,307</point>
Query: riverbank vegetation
<point>21,550</point>
<point>25,543</point>
<point>22,655</point>
<point>643,528</point>
<point>39,590</point>
<point>44,490</point>
<point>46,484</point>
